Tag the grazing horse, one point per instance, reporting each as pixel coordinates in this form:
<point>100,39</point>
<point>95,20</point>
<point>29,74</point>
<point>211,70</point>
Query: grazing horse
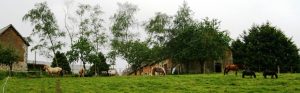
<point>270,73</point>
<point>112,72</point>
<point>232,67</point>
<point>249,72</point>
<point>81,72</point>
<point>55,70</point>
<point>159,70</point>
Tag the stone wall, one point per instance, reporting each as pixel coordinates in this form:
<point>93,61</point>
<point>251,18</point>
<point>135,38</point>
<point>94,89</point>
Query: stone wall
<point>19,66</point>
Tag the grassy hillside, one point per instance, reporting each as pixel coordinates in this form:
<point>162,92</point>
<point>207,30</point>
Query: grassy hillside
<point>286,83</point>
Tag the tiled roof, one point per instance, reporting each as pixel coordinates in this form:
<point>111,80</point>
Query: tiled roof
<point>10,25</point>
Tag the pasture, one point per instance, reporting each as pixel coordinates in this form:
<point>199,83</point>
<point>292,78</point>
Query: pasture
<point>204,83</point>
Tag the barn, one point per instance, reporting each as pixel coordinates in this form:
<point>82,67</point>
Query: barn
<point>214,66</point>
<point>10,37</point>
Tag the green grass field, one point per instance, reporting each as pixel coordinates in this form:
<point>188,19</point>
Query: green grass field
<point>200,83</point>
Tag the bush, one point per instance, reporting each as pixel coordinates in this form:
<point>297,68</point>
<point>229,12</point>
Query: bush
<point>20,74</point>
<point>3,74</point>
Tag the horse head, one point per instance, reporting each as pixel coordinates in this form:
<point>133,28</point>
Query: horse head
<point>45,67</point>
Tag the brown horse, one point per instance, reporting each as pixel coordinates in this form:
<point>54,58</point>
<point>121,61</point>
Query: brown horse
<point>231,67</point>
<point>159,70</point>
<point>81,72</point>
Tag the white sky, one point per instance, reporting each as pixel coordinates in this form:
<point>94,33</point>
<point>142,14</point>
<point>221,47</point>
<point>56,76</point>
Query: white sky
<point>235,15</point>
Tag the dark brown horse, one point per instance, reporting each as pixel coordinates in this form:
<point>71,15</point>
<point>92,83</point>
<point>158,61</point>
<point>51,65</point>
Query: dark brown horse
<point>270,73</point>
<point>231,67</point>
<point>159,70</point>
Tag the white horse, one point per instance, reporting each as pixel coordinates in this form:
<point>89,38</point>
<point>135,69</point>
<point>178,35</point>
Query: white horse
<point>55,70</point>
<point>112,72</point>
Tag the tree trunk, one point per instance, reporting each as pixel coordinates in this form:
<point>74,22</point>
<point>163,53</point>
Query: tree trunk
<point>95,66</point>
<point>292,69</point>
<point>204,67</point>
<point>10,69</point>
<point>188,67</point>
<point>84,66</point>
<point>259,68</point>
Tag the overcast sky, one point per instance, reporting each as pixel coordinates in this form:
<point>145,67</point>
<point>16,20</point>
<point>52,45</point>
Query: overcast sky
<point>235,15</point>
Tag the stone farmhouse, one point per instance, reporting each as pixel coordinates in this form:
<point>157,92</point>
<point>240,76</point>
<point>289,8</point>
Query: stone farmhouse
<point>10,37</point>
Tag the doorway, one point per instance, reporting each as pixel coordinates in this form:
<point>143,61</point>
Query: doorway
<point>218,67</point>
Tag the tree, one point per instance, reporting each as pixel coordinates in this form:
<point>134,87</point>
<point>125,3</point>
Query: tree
<point>62,62</point>
<point>122,20</point>
<point>183,19</point>
<point>157,29</point>
<point>199,42</point>
<point>99,64</point>
<point>138,53</point>
<point>81,50</point>
<point>8,56</point>
<point>98,35</point>
<point>265,47</point>
<point>46,28</point>
<point>239,52</point>
<point>90,36</point>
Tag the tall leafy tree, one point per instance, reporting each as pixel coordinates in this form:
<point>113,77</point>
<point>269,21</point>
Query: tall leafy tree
<point>138,54</point>
<point>81,50</point>
<point>203,41</point>
<point>182,20</point>
<point>90,35</point>
<point>98,34</point>
<point>8,56</point>
<point>62,62</point>
<point>122,20</point>
<point>265,47</point>
<point>45,28</point>
<point>158,29</point>
<point>99,64</point>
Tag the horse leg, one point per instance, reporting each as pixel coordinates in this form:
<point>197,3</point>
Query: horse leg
<point>272,76</point>
<point>225,71</point>
<point>236,72</point>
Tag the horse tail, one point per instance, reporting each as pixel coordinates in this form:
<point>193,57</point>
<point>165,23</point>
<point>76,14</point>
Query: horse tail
<point>165,73</point>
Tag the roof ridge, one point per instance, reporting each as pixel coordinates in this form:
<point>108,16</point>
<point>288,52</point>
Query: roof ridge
<point>10,25</point>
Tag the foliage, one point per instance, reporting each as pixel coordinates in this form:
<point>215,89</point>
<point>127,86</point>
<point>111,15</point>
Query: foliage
<point>138,53</point>
<point>200,42</point>
<point>157,28</point>
<point>90,34</point>
<point>8,56</point>
<point>122,20</point>
<point>62,62</point>
<point>82,49</point>
<point>205,83</point>
<point>99,64</point>
<point>3,75</point>
<point>264,47</point>
<point>183,19</point>
<point>46,28</point>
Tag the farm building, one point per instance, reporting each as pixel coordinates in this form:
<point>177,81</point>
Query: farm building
<point>191,67</point>
<point>10,37</point>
